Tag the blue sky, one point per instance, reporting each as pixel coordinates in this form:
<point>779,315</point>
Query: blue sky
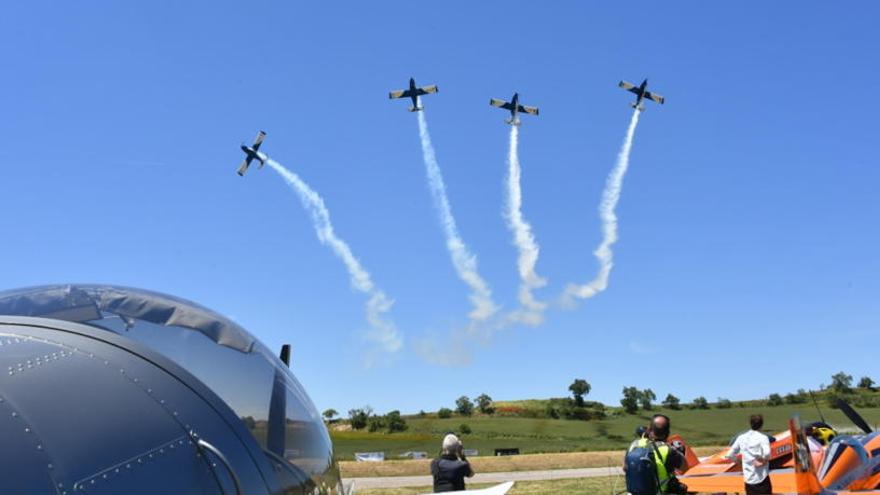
<point>747,262</point>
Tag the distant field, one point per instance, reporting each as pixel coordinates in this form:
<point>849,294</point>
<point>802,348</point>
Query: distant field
<point>489,464</point>
<point>604,485</point>
<point>698,427</point>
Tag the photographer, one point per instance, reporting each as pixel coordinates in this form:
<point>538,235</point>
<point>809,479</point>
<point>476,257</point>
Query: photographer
<point>450,469</point>
<point>650,462</point>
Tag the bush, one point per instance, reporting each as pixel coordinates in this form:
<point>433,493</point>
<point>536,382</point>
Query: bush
<point>672,402</point>
<point>700,403</point>
<point>724,403</point>
<point>444,413</point>
<point>358,417</point>
<point>552,411</point>
<point>866,383</point>
<point>375,423</point>
<point>464,406</point>
<point>795,399</point>
<point>394,422</point>
<point>774,400</point>
<point>464,429</point>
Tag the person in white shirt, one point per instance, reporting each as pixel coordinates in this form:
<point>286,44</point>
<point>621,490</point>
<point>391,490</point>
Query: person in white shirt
<point>755,449</point>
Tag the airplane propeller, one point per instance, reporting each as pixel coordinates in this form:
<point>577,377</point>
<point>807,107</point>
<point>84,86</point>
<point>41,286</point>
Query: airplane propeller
<point>853,416</point>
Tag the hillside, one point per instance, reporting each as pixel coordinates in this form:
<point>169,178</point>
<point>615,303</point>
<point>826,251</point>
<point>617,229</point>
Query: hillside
<point>540,434</point>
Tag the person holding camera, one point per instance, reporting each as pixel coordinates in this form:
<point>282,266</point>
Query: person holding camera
<point>651,462</point>
<point>452,467</point>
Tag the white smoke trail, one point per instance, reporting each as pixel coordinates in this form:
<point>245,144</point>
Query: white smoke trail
<point>463,260</point>
<point>610,197</point>
<point>383,331</point>
<point>523,239</point>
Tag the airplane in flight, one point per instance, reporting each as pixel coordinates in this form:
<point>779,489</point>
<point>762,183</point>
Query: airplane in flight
<point>413,92</point>
<point>514,107</point>
<point>642,92</point>
<point>253,153</point>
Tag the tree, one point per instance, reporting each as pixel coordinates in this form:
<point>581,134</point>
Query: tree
<point>464,406</point>
<point>579,388</point>
<point>630,400</point>
<point>375,423</point>
<point>646,397</point>
<point>358,417</point>
<point>444,413</point>
<point>394,422</point>
<point>724,403</point>
<point>700,403</point>
<point>464,429</point>
<point>774,400</point>
<point>841,382</point>
<point>329,414</point>
<point>866,383</point>
<point>672,402</point>
<point>794,399</point>
<point>484,404</point>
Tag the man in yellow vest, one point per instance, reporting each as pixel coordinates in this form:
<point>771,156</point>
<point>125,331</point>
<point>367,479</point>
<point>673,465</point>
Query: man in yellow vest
<point>644,479</point>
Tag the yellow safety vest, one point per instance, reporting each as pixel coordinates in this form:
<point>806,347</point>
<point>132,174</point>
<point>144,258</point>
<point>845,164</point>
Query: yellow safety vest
<point>659,464</point>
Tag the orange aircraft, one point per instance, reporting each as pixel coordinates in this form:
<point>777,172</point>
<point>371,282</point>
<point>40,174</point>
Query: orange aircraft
<point>849,465</point>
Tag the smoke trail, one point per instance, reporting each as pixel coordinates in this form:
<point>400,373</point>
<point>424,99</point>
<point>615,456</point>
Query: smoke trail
<point>383,331</point>
<point>610,197</point>
<point>523,239</point>
<point>464,262</point>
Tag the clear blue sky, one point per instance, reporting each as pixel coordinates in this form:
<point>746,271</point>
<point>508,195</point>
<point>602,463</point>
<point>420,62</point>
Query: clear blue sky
<point>748,256</point>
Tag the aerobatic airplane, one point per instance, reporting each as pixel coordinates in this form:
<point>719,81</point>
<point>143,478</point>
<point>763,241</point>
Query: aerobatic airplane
<point>642,93</point>
<point>848,462</point>
<point>514,107</point>
<point>413,92</point>
<point>252,153</point>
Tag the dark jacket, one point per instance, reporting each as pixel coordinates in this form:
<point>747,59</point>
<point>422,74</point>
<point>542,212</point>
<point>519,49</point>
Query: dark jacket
<point>449,473</point>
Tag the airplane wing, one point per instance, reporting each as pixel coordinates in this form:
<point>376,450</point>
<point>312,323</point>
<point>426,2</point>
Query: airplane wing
<point>402,93</point>
<point>500,104</point>
<point>654,96</point>
<point>244,166</point>
<point>783,481</point>
<point>424,90</point>
<point>258,140</point>
<point>529,110</point>
<point>501,489</point>
<point>628,86</point>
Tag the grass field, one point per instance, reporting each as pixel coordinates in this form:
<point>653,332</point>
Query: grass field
<point>489,464</point>
<point>698,427</point>
<point>605,485</point>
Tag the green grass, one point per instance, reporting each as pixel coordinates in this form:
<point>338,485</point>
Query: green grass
<point>698,427</point>
<point>603,485</point>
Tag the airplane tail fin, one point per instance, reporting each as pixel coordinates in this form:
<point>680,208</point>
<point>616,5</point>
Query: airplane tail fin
<point>513,121</point>
<point>640,107</point>
<point>689,454</point>
<point>804,473</point>
<point>415,109</point>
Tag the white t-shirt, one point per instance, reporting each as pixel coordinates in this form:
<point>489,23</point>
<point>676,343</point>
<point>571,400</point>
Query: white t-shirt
<point>753,445</point>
